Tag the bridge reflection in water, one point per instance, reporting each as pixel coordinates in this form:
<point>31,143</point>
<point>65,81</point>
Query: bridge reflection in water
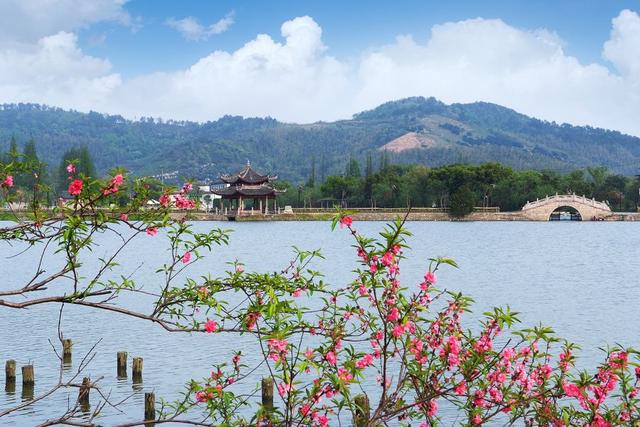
<point>565,213</point>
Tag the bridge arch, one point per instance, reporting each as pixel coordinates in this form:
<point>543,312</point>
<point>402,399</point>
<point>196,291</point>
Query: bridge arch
<point>588,209</point>
<point>566,213</point>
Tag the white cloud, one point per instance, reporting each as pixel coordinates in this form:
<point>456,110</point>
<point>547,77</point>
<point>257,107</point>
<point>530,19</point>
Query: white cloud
<point>30,20</point>
<point>294,78</point>
<point>623,46</point>
<point>56,72</point>
<point>191,29</point>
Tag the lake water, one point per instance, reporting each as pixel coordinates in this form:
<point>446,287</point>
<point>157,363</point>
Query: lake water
<point>580,278</point>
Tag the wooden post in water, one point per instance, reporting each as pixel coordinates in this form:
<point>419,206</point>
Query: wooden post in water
<point>361,415</point>
<point>83,395</point>
<point>28,376</point>
<point>267,393</point>
<point>149,406</point>
<point>66,350</point>
<point>10,376</point>
<point>10,371</point>
<point>137,369</point>
<point>28,381</point>
<point>122,364</point>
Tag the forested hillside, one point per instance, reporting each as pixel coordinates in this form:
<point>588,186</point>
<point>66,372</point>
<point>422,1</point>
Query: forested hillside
<point>413,130</point>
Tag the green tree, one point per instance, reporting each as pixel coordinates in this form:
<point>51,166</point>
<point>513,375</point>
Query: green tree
<point>352,169</point>
<point>311,182</point>
<point>462,202</point>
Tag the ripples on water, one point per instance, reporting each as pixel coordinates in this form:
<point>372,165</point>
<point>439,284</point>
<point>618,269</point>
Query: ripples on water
<point>581,278</point>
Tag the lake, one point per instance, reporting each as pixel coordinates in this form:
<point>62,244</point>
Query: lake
<point>579,277</point>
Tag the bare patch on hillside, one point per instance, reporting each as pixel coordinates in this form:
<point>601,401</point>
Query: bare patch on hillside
<point>408,141</point>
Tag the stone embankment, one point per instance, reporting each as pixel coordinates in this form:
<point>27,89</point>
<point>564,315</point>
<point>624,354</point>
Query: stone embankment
<point>390,215</point>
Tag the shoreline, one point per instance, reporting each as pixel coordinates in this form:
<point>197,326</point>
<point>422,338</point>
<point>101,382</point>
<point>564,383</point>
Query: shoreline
<point>390,216</point>
<point>417,215</point>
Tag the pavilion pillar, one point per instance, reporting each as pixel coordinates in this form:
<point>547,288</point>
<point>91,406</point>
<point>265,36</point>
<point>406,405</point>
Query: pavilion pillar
<point>261,211</point>
<point>240,205</point>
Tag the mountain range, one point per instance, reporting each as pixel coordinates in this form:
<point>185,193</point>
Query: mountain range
<point>412,130</point>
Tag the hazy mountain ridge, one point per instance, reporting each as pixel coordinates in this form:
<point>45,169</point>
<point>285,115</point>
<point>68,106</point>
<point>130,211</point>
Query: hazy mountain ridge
<point>474,133</point>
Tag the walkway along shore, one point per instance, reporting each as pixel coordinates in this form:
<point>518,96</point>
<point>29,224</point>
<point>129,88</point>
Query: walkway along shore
<point>358,214</point>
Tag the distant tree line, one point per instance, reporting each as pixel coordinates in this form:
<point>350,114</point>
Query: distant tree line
<point>457,186</point>
<point>380,183</point>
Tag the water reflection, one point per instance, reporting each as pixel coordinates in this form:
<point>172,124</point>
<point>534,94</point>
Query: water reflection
<point>546,272</point>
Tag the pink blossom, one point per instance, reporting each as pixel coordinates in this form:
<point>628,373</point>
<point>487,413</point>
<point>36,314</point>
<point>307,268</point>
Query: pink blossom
<point>297,293</point>
<point>461,388</point>
<point>71,168</point>
<point>476,420</point>
<point>113,186</point>
<point>331,358</point>
<point>152,231</point>
<point>364,361</point>
<point>184,203</point>
<point>346,221</point>
<point>387,259</point>
<point>283,389</point>
<point>124,217</point>
<point>362,289</point>
<point>277,345</point>
<point>571,390</point>
<point>373,267</point>
<point>430,277</point>
<point>432,408</point>
<point>398,330</point>
<point>75,188</point>
<point>201,396</point>
<point>393,315</point>
<point>8,181</point>
<point>210,326</point>
<point>239,268</point>
<point>495,394</point>
<point>164,200</point>
<point>304,409</point>
<point>483,344</point>
<point>186,257</point>
<point>323,421</point>
<point>454,346</point>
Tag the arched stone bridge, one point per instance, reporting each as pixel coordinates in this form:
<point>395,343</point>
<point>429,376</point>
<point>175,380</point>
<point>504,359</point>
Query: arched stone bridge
<point>541,210</point>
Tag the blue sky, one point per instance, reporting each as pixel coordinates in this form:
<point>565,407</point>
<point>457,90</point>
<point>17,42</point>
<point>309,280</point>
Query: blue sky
<point>303,61</point>
<point>348,26</point>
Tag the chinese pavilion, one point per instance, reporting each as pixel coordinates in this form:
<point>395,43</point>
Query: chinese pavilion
<point>247,185</point>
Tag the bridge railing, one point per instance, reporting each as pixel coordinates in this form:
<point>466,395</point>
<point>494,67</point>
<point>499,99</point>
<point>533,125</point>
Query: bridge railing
<point>566,198</point>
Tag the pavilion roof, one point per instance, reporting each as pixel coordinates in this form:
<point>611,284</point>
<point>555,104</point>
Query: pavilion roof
<point>247,176</point>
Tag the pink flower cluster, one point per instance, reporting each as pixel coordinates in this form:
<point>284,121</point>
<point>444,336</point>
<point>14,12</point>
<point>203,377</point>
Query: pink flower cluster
<point>180,200</point>
<point>7,182</point>
<point>75,188</point>
<point>277,349</point>
<point>114,185</point>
